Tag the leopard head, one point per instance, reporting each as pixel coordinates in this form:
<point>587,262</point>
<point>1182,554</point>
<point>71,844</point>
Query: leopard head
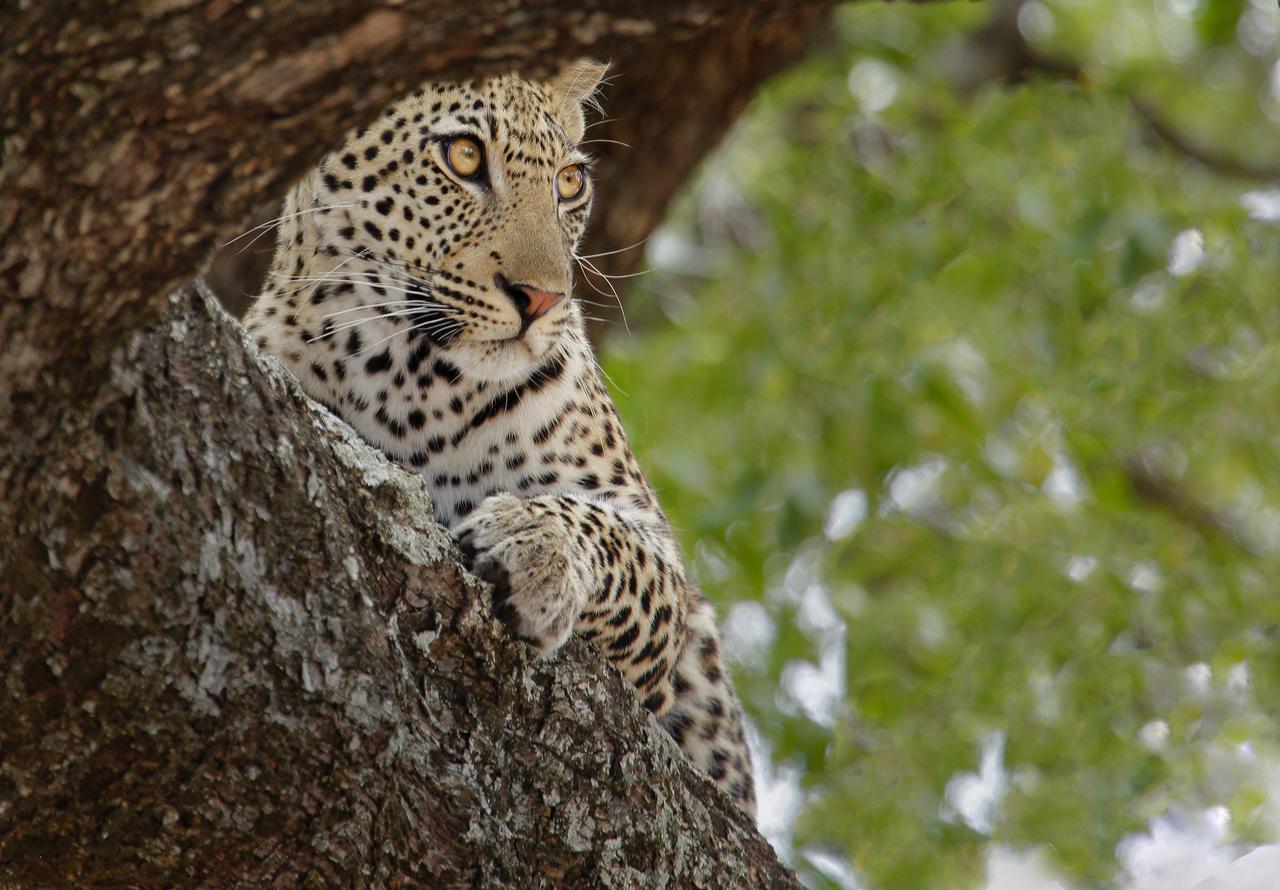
<point>454,218</point>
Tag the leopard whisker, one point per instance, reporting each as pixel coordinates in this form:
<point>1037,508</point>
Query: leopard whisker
<point>592,302</point>
<point>592,256</point>
<point>593,286</point>
<point>337,329</point>
<point>405,303</point>
<point>395,314</point>
<point>336,267</point>
<point>587,264</point>
<point>618,277</point>
<point>405,269</point>
<point>396,333</point>
<point>340,280</point>
<point>261,229</point>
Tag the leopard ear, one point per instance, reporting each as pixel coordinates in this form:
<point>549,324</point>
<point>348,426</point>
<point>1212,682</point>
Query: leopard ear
<point>574,87</point>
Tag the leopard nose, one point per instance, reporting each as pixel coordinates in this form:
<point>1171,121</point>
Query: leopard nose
<point>531,302</point>
<point>540,302</point>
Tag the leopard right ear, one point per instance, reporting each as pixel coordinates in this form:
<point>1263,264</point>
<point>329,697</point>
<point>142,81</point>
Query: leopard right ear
<point>577,82</point>
<point>574,87</point>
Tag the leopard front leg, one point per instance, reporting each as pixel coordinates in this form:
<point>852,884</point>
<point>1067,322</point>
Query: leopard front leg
<point>529,556</point>
<point>560,563</point>
<point>706,719</point>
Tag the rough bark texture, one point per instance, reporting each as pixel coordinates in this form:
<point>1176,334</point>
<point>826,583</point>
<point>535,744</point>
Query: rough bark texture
<point>234,647</point>
<point>239,650</point>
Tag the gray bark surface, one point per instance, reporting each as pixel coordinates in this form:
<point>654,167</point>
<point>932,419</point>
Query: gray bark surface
<point>239,651</point>
<point>235,649</point>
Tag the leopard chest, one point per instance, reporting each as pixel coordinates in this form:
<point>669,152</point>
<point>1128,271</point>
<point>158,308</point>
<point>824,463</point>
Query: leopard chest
<point>472,440</point>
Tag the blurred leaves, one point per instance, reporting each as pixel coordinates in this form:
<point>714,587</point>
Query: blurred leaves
<point>975,394</point>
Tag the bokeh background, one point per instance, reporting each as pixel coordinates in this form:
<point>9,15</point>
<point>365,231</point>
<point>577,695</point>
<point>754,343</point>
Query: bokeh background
<point>956,369</point>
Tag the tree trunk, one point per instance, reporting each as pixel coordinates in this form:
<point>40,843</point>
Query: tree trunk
<point>236,648</point>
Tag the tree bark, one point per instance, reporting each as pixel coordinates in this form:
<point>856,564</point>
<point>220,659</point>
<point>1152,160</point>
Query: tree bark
<point>236,649</point>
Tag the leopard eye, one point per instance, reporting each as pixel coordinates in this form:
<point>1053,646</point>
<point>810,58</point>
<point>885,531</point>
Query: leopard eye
<point>570,182</point>
<point>464,156</point>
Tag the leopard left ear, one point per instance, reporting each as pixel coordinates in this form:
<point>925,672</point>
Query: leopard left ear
<point>574,87</point>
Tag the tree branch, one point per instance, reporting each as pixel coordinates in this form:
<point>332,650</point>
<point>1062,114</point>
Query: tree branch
<point>239,651</point>
<point>1205,156</point>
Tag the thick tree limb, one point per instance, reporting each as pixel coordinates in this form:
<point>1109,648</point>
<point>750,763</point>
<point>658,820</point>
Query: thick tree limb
<point>236,649</point>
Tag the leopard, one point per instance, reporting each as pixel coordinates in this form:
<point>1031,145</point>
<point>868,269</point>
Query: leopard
<point>421,289</point>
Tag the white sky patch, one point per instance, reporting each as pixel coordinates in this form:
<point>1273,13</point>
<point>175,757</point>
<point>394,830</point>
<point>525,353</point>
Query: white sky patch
<point>1175,32</point>
<point>1262,205</point>
<point>816,616</point>
<point>834,868</point>
<point>1178,851</point>
<point>1199,678</point>
<point>779,797</point>
<point>1238,680</point>
<point>1001,454</point>
<point>1253,871</point>
<point>749,632</point>
<point>974,798</point>
<point>847,511</point>
<point>1079,568</point>
<point>874,84</point>
<point>1145,578</point>
<point>931,627</point>
<point>1259,518</point>
<point>801,587</point>
<point>913,490</point>
<point>1036,22</point>
<point>1021,870</point>
<point>1257,30</point>
<point>670,249</point>
<point>1186,253</point>
<point>1154,735</point>
<point>966,365</point>
<point>801,572</point>
<point>1063,485</point>
<point>817,689</point>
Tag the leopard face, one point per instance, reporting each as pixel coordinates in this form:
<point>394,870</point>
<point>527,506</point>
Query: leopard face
<point>454,218</point>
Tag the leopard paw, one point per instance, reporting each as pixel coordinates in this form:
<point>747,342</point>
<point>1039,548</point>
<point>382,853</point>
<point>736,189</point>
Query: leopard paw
<point>527,555</point>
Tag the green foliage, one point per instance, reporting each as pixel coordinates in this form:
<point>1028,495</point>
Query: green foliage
<point>963,313</point>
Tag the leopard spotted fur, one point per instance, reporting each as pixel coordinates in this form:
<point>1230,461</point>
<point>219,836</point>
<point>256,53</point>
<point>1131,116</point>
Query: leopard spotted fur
<point>428,305</point>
